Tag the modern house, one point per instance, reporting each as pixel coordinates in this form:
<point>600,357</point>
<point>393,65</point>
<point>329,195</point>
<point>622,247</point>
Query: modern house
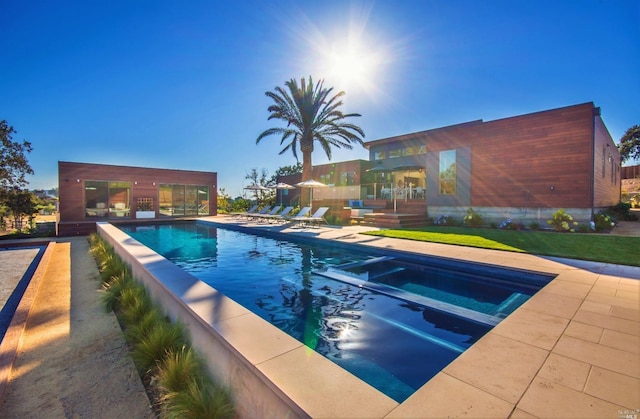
<point>522,168</point>
<point>96,192</point>
<point>347,180</point>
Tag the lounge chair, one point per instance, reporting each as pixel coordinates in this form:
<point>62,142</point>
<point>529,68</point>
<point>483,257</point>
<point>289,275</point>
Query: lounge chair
<point>281,216</point>
<point>304,212</point>
<point>264,210</point>
<point>243,214</point>
<point>315,219</point>
<point>267,214</point>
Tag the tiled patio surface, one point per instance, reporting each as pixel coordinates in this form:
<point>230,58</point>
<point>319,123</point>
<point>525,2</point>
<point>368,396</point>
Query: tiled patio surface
<point>573,350</point>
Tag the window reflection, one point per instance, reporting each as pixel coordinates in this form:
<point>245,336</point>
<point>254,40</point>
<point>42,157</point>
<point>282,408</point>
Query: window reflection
<point>183,200</point>
<point>448,172</point>
<point>107,199</point>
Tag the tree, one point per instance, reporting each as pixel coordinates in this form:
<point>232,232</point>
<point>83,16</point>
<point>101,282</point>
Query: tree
<point>629,146</point>
<point>13,161</point>
<point>263,196</point>
<point>311,115</point>
<point>285,171</point>
<point>21,203</point>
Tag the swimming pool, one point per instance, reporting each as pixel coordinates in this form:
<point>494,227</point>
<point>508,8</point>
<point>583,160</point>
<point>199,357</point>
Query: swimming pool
<point>393,339</point>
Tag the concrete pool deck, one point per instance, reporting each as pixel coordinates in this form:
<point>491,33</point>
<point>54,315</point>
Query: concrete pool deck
<point>573,350</point>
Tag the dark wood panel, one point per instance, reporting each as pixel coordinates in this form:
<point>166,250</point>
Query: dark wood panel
<point>531,160</point>
<point>144,184</point>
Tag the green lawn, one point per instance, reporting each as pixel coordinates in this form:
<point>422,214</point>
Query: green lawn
<point>595,247</point>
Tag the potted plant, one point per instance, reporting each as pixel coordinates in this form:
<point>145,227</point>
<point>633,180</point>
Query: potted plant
<point>145,209</point>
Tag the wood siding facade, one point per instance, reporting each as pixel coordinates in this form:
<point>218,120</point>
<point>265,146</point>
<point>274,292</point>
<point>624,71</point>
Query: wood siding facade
<point>72,217</point>
<point>560,158</point>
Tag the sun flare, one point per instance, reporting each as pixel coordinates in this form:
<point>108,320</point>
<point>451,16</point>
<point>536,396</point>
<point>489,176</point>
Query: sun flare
<point>350,65</point>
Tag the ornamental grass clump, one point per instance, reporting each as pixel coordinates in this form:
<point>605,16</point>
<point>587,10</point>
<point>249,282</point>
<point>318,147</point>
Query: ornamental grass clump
<point>153,347</point>
<point>198,400</point>
<point>144,325</point>
<point>113,287</point>
<point>178,368</point>
<point>133,303</point>
<point>176,378</point>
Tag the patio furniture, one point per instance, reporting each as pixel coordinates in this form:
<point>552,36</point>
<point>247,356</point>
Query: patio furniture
<point>304,212</point>
<point>263,211</point>
<point>243,214</point>
<point>274,211</point>
<point>280,217</point>
<point>315,219</point>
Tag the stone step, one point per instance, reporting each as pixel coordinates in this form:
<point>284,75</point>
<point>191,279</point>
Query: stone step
<point>394,220</point>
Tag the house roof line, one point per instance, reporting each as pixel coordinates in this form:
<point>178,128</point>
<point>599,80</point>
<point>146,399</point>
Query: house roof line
<point>419,134</point>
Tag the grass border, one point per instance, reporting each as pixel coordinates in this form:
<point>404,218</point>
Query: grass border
<point>605,248</point>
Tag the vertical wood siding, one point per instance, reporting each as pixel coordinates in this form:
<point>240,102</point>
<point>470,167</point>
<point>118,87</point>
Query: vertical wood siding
<point>72,177</point>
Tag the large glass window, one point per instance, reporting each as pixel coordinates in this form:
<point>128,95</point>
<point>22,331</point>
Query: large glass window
<point>379,155</point>
<point>203,200</point>
<point>327,179</point>
<point>183,200</point>
<point>107,199</point>
<point>347,178</point>
<point>447,172</point>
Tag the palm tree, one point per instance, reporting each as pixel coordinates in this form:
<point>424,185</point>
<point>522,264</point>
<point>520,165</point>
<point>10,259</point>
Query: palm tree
<point>311,115</point>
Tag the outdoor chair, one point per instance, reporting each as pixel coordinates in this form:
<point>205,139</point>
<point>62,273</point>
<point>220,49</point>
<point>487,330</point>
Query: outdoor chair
<point>257,214</point>
<point>304,212</point>
<point>315,219</point>
<point>268,214</point>
<point>281,216</point>
<point>244,213</point>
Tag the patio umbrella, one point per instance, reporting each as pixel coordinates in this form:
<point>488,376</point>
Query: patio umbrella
<point>282,185</point>
<point>311,184</point>
<point>255,188</point>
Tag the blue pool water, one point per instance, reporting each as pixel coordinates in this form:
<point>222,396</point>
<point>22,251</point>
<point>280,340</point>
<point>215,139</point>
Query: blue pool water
<point>394,323</point>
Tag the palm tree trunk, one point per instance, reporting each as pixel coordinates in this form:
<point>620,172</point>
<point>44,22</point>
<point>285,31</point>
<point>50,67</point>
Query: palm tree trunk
<point>307,174</point>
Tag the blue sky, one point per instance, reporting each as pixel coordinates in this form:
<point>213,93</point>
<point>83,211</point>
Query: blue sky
<point>181,84</point>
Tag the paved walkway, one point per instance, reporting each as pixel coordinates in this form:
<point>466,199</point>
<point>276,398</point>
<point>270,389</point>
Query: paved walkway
<point>72,360</point>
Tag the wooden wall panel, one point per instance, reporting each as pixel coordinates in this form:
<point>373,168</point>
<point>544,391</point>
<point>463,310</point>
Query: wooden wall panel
<point>144,184</point>
<point>535,160</point>
<point>606,168</point>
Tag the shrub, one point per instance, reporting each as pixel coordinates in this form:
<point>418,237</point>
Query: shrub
<point>141,328</point>
<point>506,224</point>
<point>603,222</point>
<point>583,228</point>
<point>472,219</point>
<point>161,350</point>
<point>177,369</point>
<point>444,220</point>
<point>622,211</point>
<point>113,288</point>
<point>133,303</point>
<point>152,348</point>
<point>561,221</point>
<point>199,400</point>
<point>534,226</point>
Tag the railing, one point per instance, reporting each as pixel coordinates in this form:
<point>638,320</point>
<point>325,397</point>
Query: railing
<point>369,191</point>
